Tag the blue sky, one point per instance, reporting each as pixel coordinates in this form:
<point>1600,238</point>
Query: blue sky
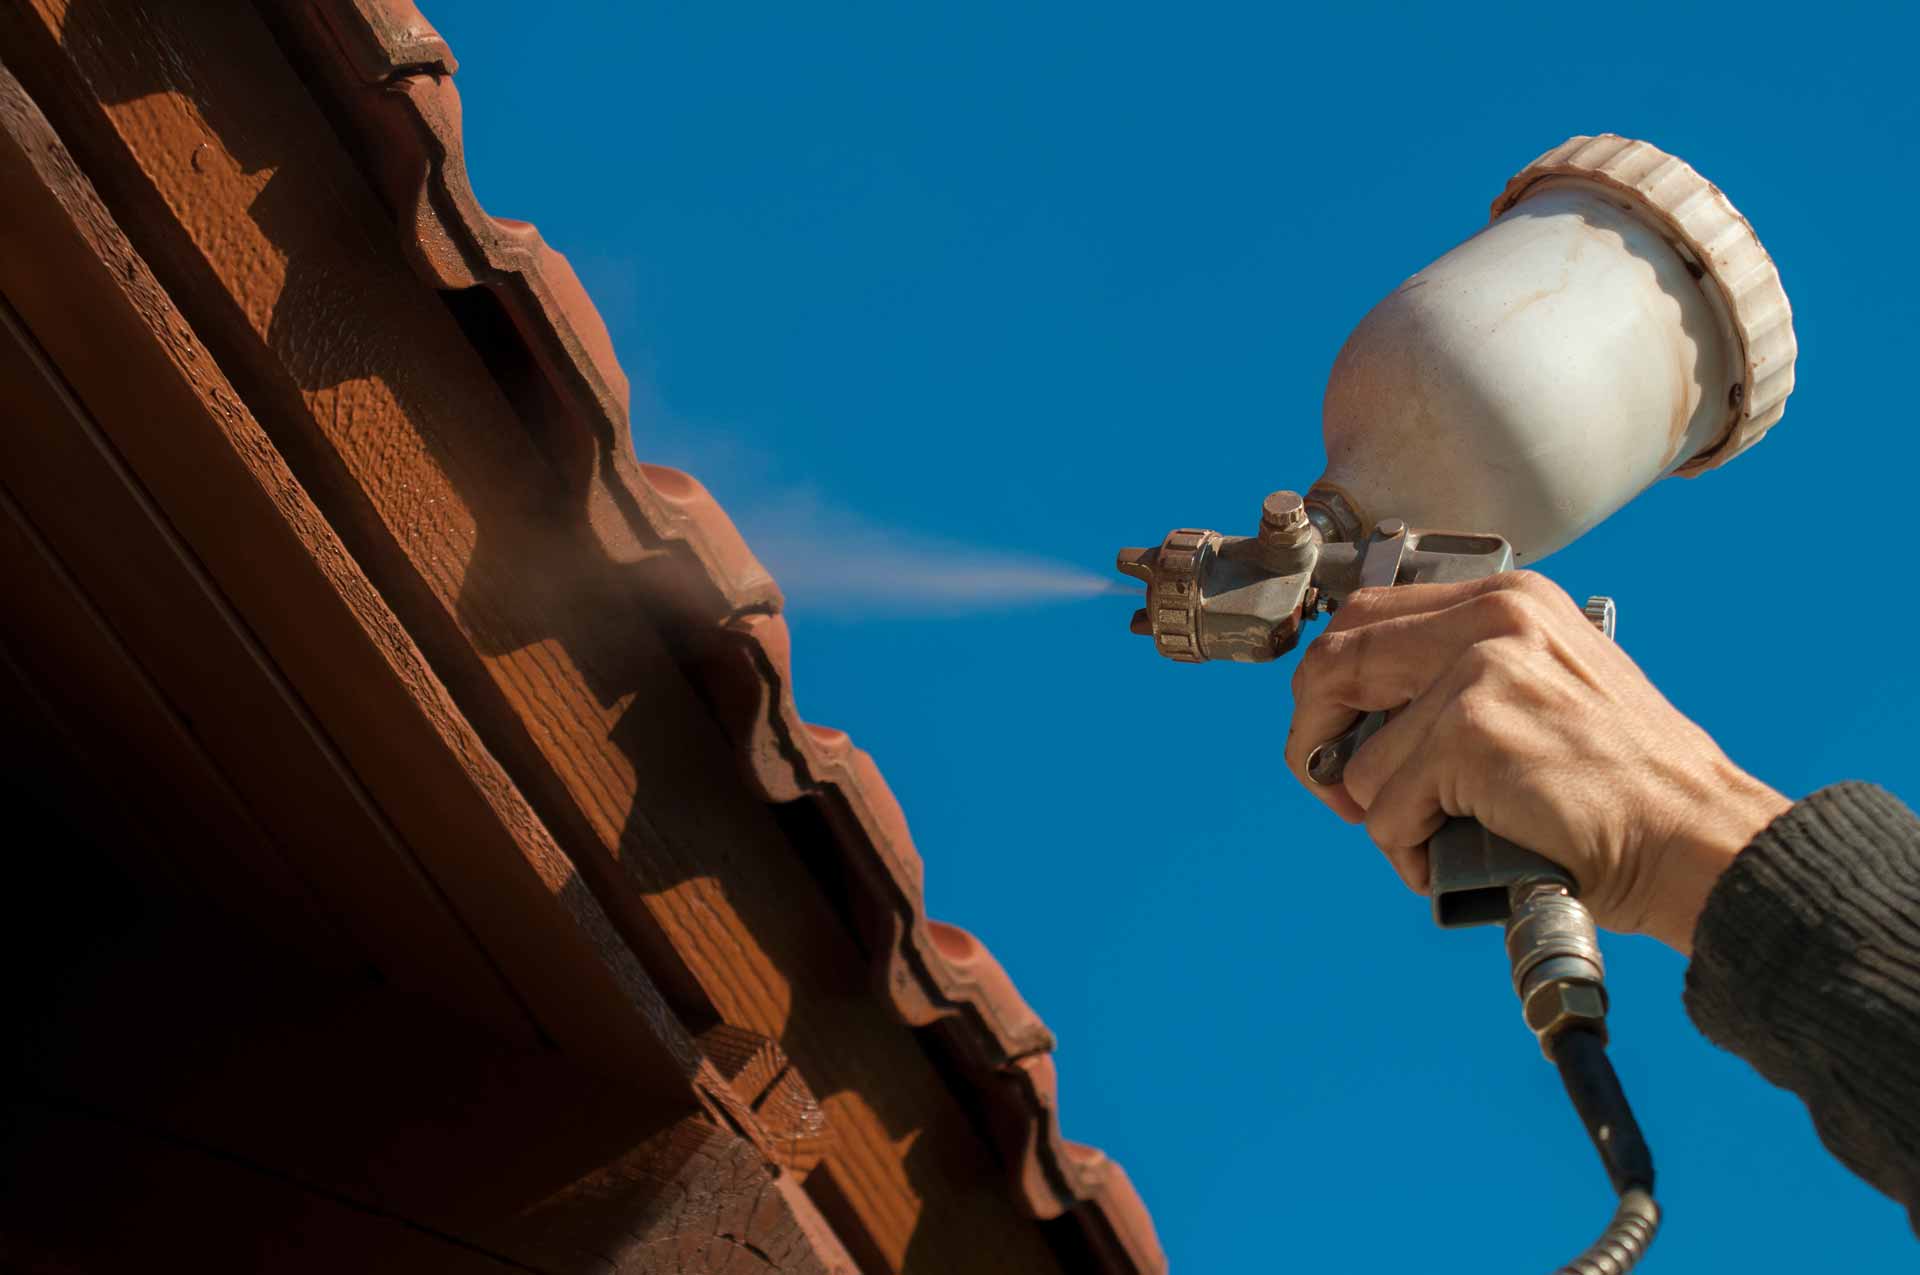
<point>1032,282</point>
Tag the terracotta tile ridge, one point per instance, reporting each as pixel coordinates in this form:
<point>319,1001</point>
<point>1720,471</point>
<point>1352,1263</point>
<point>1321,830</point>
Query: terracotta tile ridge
<point>385,73</point>
<point>388,74</point>
<point>930,972</point>
<point>387,36</point>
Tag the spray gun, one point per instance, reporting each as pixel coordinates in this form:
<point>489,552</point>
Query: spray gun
<point>1616,322</point>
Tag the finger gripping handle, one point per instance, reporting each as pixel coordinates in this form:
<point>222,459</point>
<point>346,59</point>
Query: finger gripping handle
<point>1470,871</point>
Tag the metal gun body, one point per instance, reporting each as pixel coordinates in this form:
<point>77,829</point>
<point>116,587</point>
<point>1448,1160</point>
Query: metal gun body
<point>1247,598</point>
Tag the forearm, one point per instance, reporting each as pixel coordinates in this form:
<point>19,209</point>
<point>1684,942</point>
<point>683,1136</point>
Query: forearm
<point>1806,962</point>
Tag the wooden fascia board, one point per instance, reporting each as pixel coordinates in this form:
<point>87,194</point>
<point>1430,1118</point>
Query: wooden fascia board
<point>104,320</point>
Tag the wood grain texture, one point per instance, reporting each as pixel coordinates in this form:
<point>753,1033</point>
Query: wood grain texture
<point>796,1125</point>
<point>191,123</point>
<point>403,121</point>
<point>747,1061</point>
<point>384,74</point>
<point>166,413</point>
<point>694,1200</point>
<point>786,1118</point>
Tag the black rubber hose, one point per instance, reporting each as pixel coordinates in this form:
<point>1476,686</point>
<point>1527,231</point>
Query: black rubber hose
<point>1595,1090</point>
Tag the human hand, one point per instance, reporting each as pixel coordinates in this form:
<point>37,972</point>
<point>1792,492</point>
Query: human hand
<point>1514,710</point>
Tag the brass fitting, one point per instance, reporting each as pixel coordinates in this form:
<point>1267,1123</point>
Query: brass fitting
<point>1557,970</point>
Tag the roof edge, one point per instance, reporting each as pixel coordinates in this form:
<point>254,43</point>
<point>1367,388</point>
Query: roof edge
<point>388,74</point>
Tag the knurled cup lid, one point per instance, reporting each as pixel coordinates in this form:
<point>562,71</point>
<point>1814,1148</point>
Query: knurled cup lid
<point>1707,225</point>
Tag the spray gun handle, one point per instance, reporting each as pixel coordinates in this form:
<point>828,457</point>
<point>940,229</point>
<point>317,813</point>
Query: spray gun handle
<point>1469,870</point>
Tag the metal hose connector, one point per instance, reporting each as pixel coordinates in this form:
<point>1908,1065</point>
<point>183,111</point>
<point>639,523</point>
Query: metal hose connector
<point>1555,954</point>
<point>1620,1248</point>
<point>1557,971</point>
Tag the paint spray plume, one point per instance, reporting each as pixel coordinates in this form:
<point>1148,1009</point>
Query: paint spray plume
<point>830,560</point>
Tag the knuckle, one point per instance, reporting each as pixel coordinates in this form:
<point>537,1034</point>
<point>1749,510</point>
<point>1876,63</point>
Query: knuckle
<point>1511,611</point>
<point>1360,607</point>
<point>1314,661</point>
<point>1351,646</point>
<point>1331,666</point>
<point>1534,585</point>
<point>1330,647</point>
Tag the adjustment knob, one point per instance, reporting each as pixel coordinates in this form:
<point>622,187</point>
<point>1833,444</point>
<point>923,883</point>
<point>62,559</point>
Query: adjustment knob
<point>1602,615</point>
<point>1174,574</point>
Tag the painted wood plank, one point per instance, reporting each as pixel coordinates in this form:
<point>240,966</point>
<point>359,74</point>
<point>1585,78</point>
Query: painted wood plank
<point>271,240</point>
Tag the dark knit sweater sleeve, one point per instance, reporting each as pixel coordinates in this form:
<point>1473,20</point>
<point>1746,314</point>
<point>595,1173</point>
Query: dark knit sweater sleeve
<point>1806,962</point>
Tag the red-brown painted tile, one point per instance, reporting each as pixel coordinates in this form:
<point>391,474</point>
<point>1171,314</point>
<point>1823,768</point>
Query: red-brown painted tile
<point>1119,1212</point>
<point>974,976</point>
<point>388,37</point>
<point>389,72</point>
<point>392,75</point>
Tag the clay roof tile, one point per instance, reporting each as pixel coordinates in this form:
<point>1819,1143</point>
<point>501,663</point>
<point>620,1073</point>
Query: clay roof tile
<point>389,74</point>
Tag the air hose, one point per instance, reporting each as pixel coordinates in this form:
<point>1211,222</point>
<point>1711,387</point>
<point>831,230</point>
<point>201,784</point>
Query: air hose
<point>1557,971</point>
<point>1581,1055</point>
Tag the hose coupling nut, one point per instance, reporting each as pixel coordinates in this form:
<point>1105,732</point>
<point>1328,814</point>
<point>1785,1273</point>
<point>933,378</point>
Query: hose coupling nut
<point>1557,971</point>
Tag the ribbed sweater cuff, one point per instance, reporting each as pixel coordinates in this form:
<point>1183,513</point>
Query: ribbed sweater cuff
<point>1806,962</point>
